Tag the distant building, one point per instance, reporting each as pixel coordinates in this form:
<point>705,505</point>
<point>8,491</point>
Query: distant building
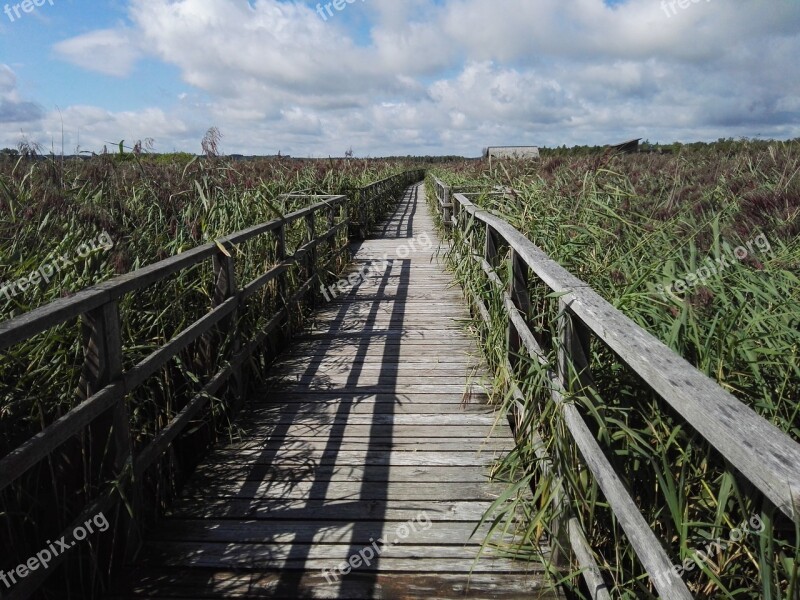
<point>630,147</point>
<point>518,152</point>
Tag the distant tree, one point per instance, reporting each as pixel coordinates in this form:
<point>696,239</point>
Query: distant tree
<point>9,152</point>
<point>210,143</point>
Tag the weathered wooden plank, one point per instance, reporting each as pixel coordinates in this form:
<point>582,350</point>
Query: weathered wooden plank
<point>366,408</point>
<point>189,583</point>
<point>344,373</point>
<point>382,419</point>
<point>345,509</point>
<point>324,531</point>
<point>372,457</point>
<point>357,399</point>
<point>369,431</point>
<point>278,472</point>
<point>278,557</point>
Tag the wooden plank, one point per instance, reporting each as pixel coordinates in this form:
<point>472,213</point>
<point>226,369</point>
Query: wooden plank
<point>278,557</point>
<point>277,472</point>
<point>344,509</point>
<point>323,531</point>
<point>402,388</point>
<point>311,368</point>
<point>190,583</point>
<point>371,457</point>
<point>368,431</point>
<point>356,399</point>
<point>361,408</point>
<point>382,419</point>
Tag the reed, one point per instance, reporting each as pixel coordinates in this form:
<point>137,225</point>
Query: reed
<point>626,224</point>
<point>150,208</point>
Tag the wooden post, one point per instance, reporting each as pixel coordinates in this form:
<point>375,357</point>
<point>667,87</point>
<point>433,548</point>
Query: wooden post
<point>311,258</point>
<point>573,351</point>
<point>362,209</point>
<point>225,288</point>
<point>575,375</point>
<point>518,290</point>
<point>102,343</point>
<point>490,251</point>
<point>331,221</point>
<point>280,255</point>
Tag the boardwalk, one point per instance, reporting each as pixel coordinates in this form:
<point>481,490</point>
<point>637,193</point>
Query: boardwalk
<point>368,443</point>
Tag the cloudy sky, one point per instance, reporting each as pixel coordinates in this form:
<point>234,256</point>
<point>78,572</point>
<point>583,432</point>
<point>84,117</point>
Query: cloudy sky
<point>396,76</point>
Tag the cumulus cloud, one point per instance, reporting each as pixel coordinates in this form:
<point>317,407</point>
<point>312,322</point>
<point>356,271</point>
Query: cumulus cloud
<point>456,75</point>
<point>107,51</point>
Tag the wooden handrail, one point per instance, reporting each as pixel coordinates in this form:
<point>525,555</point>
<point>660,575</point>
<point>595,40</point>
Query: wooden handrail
<point>108,384</point>
<point>761,452</point>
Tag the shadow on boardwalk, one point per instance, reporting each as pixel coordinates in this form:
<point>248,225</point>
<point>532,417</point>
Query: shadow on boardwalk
<point>357,441</point>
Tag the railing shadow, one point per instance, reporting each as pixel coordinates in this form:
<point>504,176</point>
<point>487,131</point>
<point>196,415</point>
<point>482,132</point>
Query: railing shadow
<point>284,465</point>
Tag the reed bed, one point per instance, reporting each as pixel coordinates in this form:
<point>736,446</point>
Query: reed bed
<point>627,225</point>
<point>142,209</point>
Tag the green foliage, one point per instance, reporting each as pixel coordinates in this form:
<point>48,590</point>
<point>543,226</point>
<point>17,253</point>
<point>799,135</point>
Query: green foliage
<point>626,224</point>
<point>151,208</point>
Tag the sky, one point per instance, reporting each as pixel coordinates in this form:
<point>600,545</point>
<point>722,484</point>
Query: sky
<point>395,77</point>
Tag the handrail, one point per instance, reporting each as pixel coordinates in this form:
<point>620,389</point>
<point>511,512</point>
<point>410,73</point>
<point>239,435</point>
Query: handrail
<point>370,200</point>
<point>761,452</point>
<point>108,384</point>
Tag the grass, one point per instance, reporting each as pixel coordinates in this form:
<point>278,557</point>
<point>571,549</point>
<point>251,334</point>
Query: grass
<point>626,224</point>
<point>151,208</point>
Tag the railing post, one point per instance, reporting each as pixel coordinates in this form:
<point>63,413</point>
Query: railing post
<point>490,248</point>
<point>518,290</point>
<point>331,215</point>
<point>102,343</point>
<point>447,207</point>
<point>573,351</point>
<point>225,288</point>
<point>575,375</point>
<point>363,213</point>
<point>311,257</point>
<point>280,256</point>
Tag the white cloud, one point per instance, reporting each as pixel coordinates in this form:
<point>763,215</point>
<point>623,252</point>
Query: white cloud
<point>108,51</point>
<point>454,75</point>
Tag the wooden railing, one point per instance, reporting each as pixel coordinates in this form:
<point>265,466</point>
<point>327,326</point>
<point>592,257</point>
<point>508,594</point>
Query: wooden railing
<point>761,452</point>
<point>107,383</point>
<point>369,203</point>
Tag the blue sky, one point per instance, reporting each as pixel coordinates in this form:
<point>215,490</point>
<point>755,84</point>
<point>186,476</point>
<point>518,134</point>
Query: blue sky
<point>396,76</point>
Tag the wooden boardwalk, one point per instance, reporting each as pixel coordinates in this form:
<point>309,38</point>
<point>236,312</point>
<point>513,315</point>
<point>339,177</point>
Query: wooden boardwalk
<point>360,448</point>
